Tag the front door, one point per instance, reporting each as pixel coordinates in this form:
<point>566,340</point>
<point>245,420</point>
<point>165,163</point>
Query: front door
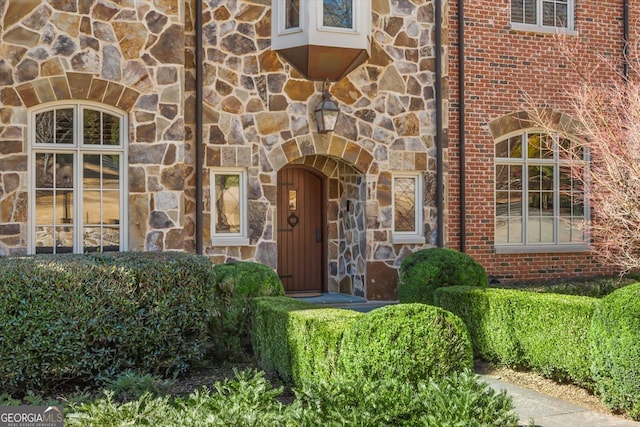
<point>301,236</point>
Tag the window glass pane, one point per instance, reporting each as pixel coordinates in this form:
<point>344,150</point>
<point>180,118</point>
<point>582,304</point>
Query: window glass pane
<point>44,170</point>
<point>548,14</point>
<point>111,206</point>
<point>530,12</point>
<point>227,209</point>
<point>64,170</point>
<point>64,206</point>
<point>64,239</point>
<point>502,177</point>
<point>110,129</point>
<point>562,15</point>
<point>515,177</point>
<point>502,149</point>
<point>44,127</point>
<point>91,127</point>
<point>91,239</point>
<point>292,11</point>
<point>110,239</point>
<point>44,207</point>
<point>44,240</point>
<point>517,11</point>
<point>91,207</point>
<point>111,171</point>
<point>337,13</point>
<point>404,214</point>
<point>515,147</point>
<point>540,146</point>
<point>91,172</point>
<point>64,126</point>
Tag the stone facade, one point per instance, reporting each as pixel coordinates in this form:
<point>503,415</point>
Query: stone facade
<point>138,56</point>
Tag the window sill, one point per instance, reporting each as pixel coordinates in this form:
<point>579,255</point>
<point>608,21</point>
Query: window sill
<point>541,249</point>
<point>408,239</point>
<point>543,30</point>
<point>230,241</point>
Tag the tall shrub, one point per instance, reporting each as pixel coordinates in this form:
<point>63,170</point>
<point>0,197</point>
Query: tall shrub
<point>87,318</point>
<point>424,271</point>
<point>615,349</point>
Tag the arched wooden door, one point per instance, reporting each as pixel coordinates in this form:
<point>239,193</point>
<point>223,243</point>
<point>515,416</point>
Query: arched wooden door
<point>301,229</point>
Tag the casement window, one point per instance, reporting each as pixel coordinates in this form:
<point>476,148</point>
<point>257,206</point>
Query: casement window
<point>540,206</point>
<point>77,179</point>
<point>333,14</point>
<point>229,207</point>
<point>542,15</point>
<point>407,208</point>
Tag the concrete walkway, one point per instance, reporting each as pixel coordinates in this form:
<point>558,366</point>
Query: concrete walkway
<point>547,411</point>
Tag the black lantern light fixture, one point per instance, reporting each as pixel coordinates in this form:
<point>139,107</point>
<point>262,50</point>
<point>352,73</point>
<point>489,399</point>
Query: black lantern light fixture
<point>326,112</point>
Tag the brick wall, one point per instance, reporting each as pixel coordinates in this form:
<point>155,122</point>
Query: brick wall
<point>500,65</point>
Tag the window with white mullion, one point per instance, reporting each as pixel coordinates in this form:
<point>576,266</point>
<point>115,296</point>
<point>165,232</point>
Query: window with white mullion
<point>542,14</point>
<point>78,193</point>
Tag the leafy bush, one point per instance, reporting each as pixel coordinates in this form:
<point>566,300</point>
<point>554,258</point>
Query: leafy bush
<point>459,399</point>
<point>249,400</point>
<point>235,285</point>
<point>546,332</point>
<point>408,342</point>
<point>615,349</point>
<point>424,271</point>
<point>86,318</point>
<point>270,333</point>
<point>298,340</point>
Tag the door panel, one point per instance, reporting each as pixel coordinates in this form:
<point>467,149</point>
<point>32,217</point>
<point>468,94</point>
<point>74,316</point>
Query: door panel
<point>301,228</point>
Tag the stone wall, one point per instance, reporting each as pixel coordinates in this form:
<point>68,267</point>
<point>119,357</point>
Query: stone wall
<point>259,116</point>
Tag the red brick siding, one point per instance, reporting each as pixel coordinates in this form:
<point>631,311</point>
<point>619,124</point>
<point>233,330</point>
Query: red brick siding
<point>499,64</point>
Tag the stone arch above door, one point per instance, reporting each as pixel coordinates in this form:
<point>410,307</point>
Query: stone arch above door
<point>333,146</point>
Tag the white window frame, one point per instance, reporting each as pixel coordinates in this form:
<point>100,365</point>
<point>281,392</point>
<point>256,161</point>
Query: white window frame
<point>551,29</point>
<point>354,19</point>
<point>230,239</point>
<point>77,150</point>
<point>524,247</point>
<point>416,236</point>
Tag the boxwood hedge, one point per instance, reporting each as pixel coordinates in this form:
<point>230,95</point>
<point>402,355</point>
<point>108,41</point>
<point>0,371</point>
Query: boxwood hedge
<point>87,318</point>
<point>422,272</point>
<point>615,349</point>
<point>297,340</point>
<point>235,285</point>
<point>546,332</point>
<point>408,342</point>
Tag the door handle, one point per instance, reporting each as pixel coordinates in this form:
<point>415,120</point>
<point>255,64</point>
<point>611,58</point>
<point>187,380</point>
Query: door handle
<point>319,234</point>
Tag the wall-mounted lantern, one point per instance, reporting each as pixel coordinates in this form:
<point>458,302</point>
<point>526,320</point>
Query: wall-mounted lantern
<point>326,113</point>
<point>323,39</point>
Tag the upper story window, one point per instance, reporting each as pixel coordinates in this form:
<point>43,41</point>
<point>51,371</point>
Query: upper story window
<point>407,208</point>
<point>542,15</point>
<point>540,206</point>
<point>77,163</point>
<point>337,14</point>
<point>229,211</point>
<point>292,14</point>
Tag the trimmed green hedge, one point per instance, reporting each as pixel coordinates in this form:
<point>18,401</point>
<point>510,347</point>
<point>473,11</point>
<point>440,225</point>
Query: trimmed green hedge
<point>298,340</point>
<point>408,342</point>
<point>236,284</point>
<point>87,318</point>
<point>548,333</point>
<point>615,349</point>
<point>424,271</point>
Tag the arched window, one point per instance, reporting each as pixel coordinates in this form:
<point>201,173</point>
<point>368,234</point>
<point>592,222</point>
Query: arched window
<point>540,206</point>
<point>78,179</point>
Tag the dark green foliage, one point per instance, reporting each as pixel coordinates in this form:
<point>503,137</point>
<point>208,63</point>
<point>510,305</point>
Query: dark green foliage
<point>615,349</point>
<point>459,399</point>
<point>249,400</point>
<point>315,337</point>
<point>424,271</point>
<point>548,333</point>
<point>87,318</point>
<point>596,287</point>
<point>270,333</point>
<point>236,284</point>
<point>408,342</point>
